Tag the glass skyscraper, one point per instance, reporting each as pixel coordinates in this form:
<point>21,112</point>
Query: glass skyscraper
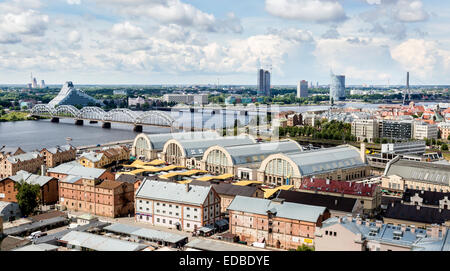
<point>337,88</point>
<point>263,83</point>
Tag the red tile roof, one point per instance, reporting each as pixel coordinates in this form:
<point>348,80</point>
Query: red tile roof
<point>335,186</point>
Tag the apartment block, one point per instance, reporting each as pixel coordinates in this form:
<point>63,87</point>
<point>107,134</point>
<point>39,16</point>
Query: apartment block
<point>424,130</point>
<point>276,223</point>
<point>30,162</point>
<point>365,129</point>
<point>99,197</point>
<point>48,187</point>
<point>179,206</point>
<point>58,155</point>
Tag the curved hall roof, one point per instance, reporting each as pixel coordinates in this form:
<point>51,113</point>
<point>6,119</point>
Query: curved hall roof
<point>257,152</point>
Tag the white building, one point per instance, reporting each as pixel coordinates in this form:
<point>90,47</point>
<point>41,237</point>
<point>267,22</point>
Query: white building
<point>424,130</point>
<point>179,206</point>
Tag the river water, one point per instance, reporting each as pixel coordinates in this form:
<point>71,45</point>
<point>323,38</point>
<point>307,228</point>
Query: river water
<point>32,135</point>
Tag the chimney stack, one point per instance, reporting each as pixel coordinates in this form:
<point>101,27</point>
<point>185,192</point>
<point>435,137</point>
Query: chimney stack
<point>328,181</point>
<point>187,187</point>
<point>413,228</point>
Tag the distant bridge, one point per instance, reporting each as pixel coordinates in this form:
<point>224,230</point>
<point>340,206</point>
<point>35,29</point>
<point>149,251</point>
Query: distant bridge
<point>96,114</point>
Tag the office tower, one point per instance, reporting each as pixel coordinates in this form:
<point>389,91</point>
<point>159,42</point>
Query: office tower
<point>337,88</point>
<point>263,83</point>
<point>302,89</point>
<point>42,84</point>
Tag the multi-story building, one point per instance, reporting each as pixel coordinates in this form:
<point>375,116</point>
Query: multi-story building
<point>302,89</point>
<point>365,129</point>
<point>227,192</point>
<point>30,161</point>
<point>10,151</point>
<point>423,130</point>
<point>263,83</point>
<point>75,169</point>
<point>58,155</point>
<point>133,102</point>
<point>355,234</point>
<point>99,197</point>
<point>276,223</point>
<point>444,127</point>
<point>173,205</point>
<point>418,215</point>
<point>396,129</point>
<point>337,88</point>
<point>104,157</point>
<point>48,185</point>
<point>294,119</point>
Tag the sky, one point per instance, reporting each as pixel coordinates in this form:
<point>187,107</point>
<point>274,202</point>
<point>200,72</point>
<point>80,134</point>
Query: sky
<point>373,42</point>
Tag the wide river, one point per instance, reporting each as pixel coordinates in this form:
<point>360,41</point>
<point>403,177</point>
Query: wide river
<point>32,135</point>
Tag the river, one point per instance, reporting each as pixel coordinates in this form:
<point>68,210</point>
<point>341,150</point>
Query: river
<point>32,135</point>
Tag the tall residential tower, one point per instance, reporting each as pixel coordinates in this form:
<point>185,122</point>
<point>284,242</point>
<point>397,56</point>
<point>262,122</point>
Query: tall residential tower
<point>263,83</point>
<point>337,88</point>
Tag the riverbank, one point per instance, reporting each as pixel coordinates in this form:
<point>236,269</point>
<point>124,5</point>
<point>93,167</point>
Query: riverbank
<point>16,116</point>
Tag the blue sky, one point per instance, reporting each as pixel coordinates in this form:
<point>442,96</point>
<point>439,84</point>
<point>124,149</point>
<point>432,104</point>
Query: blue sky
<point>203,41</point>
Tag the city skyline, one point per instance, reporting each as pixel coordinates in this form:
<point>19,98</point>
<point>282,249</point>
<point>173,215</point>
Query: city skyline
<point>176,42</point>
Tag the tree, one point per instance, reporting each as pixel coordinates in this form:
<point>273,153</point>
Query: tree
<point>304,247</point>
<point>28,196</point>
<point>444,147</point>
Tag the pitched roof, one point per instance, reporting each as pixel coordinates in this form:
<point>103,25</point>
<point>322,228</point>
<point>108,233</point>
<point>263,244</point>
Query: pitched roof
<point>174,192</point>
<point>77,170</point>
<point>23,157</point>
<point>29,178</point>
<point>429,197</point>
<point>330,202</point>
<point>422,171</point>
<point>107,184</point>
<point>336,186</point>
<point>99,243</point>
<point>426,215</point>
<point>229,189</point>
<point>289,210</point>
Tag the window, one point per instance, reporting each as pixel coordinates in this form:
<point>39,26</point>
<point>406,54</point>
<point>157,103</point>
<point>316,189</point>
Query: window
<point>334,233</point>
<point>157,204</point>
<point>326,232</point>
<point>157,220</point>
<point>187,208</point>
<point>188,225</point>
<point>164,221</point>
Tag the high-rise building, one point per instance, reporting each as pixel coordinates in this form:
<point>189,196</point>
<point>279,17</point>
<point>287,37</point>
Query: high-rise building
<point>337,88</point>
<point>42,84</point>
<point>34,83</point>
<point>263,83</point>
<point>302,89</point>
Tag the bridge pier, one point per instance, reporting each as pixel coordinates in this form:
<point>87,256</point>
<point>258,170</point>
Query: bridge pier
<point>55,120</point>
<point>138,128</point>
<point>79,122</point>
<point>106,125</point>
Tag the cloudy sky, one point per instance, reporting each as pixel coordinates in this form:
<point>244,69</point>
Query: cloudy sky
<point>203,41</point>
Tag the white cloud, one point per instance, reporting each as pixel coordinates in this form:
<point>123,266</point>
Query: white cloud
<point>410,11</point>
<point>422,57</point>
<point>73,2</point>
<point>127,30</point>
<point>307,10</point>
<point>74,37</point>
<point>29,22</point>
<point>357,58</point>
<point>174,12</point>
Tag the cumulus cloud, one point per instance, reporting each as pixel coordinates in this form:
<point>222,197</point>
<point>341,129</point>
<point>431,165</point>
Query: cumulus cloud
<point>74,37</point>
<point>127,30</point>
<point>355,57</point>
<point>29,22</point>
<point>421,57</point>
<point>174,12</point>
<point>307,10</point>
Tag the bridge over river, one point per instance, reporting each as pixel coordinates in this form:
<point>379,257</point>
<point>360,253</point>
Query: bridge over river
<point>96,114</point>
